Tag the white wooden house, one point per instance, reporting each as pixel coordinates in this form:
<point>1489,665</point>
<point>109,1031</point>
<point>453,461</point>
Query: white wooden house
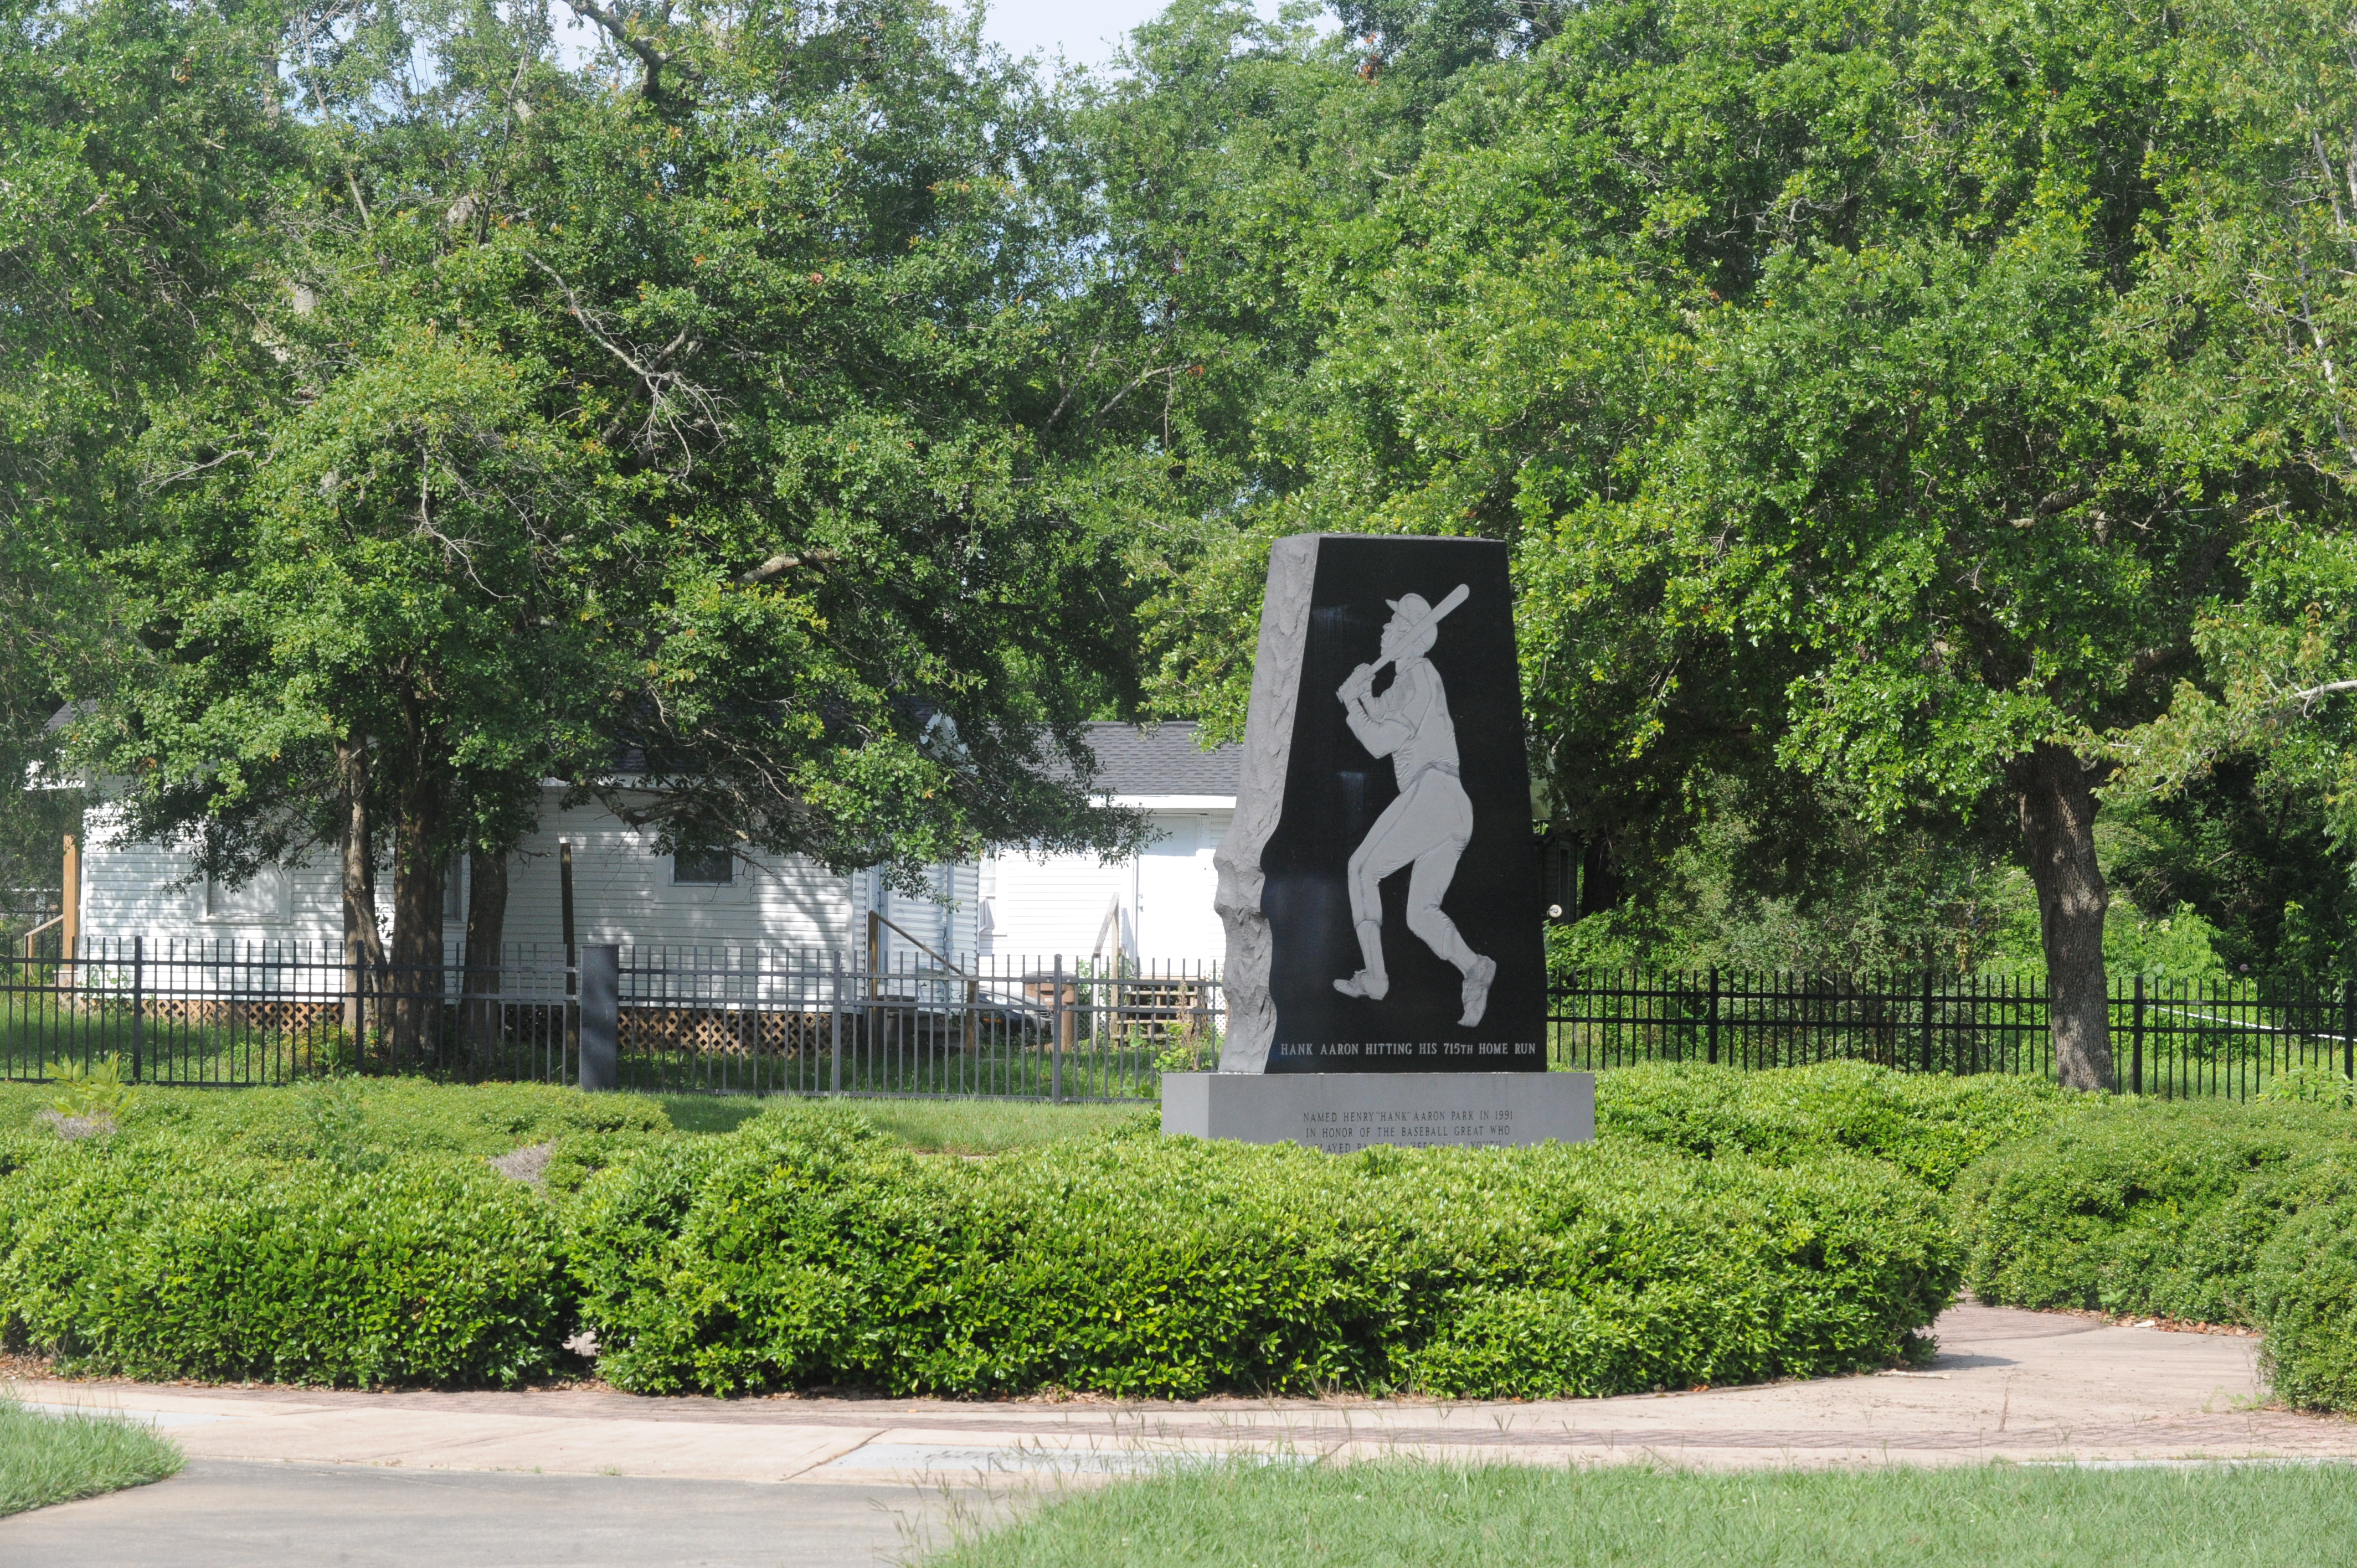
<point>1155,906</point>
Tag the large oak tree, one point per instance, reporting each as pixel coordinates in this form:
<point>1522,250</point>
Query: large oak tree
<point>1911,402</point>
<point>694,407</point>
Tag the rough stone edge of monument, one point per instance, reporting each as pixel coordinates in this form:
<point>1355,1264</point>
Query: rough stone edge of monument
<point>1259,802</point>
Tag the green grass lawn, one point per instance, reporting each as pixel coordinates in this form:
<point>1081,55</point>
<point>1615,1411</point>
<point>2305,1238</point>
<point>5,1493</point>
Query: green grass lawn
<point>495,1118</point>
<point>932,1126</point>
<point>50,1459</point>
<point>1381,1515</point>
<point>990,1126</point>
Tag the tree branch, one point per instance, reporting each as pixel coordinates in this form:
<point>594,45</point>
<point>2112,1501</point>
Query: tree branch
<point>191,470</point>
<point>779,563</point>
<point>2307,699</point>
<point>589,324</point>
<point>650,58</point>
<point>658,381</point>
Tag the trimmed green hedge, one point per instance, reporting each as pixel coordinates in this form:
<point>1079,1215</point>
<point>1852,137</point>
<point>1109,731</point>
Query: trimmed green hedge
<point>2144,1207</point>
<point>2216,1213</point>
<point>168,1260</point>
<point>351,1233</point>
<point>806,1250</point>
<point>2303,1291</point>
<point>1930,1125</point>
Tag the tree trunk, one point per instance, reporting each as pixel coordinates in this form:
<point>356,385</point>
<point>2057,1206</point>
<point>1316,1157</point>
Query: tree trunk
<point>487,916</point>
<point>363,943</point>
<point>1599,880</point>
<point>418,883</point>
<point>2058,825</point>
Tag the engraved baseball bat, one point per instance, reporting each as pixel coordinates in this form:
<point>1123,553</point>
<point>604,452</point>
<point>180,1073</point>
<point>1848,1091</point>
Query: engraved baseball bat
<point>1457,595</point>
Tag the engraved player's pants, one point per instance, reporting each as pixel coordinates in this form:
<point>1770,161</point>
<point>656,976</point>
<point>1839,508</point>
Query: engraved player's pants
<point>1429,827</point>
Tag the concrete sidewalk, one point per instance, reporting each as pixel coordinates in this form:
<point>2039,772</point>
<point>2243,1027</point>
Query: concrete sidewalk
<point>2027,1387</point>
<point>229,1513</point>
<point>2006,1384</point>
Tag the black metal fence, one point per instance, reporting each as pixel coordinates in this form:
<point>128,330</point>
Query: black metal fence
<point>2228,1038</point>
<point>740,1020</point>
<point>218,1012</point>
<point>717,1019</point>
<point>1000,1026</point>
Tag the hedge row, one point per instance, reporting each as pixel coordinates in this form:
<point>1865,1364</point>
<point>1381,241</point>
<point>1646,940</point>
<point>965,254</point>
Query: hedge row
<point>806,1250</point>
<point>2220,1214</point>
<point>2209,1212</point>
<point>1728,1228</point>
<point>284,1245</point>
<point>1931,1125</point>
<point>2304,1295</point>
<point>2146,1209</point>
<point>165,1259</point>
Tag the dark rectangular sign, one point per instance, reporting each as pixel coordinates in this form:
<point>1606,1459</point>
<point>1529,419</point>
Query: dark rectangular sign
<point>1402,889</point>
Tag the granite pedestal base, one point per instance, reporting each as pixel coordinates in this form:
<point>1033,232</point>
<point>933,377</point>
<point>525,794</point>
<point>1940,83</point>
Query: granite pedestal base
<point>1343,1112</point>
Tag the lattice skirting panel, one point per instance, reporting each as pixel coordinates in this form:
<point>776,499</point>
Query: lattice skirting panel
<point>275,1017</point>
<point>748,1032</point>
<point>723,1031</point>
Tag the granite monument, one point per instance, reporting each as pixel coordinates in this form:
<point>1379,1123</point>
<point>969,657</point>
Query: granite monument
<point>1380,884</point>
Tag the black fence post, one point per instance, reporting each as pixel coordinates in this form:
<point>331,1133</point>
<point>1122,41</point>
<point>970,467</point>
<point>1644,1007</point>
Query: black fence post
<point>834,1032</point>
<point>2348,1028</point>
<point>1710,1032</point>
<point>1056,1069</point>
<point>1927,1046</point>
<point>601,1015</point>
<point>2136,1041</point>
<point>138,1000</point>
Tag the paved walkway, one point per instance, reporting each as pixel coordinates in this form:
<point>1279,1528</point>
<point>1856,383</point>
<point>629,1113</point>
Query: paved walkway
<point>229,1513</point>
<point>868,1475</point>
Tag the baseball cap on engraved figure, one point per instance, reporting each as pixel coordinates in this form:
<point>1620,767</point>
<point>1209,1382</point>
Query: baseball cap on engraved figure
<point>1409,611</point>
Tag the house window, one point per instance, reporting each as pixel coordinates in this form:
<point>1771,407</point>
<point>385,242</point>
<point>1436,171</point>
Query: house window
<point>703,868</point>
<point>262,896</point>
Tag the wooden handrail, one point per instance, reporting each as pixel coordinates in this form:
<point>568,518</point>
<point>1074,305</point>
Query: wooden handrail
<point>973,985</point>
<point>33,935</point>
<point>882,919</point>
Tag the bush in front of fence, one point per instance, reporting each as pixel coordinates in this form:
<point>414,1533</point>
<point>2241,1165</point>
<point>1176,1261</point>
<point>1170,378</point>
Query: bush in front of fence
<point>2146,1208</point>
<point>171,1258</point>
<point>2304,1295</point>
<point>806,1250</point>
<point>1931,1125</point>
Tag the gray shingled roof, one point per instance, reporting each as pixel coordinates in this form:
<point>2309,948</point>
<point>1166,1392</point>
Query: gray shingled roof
<point>1161,760</point>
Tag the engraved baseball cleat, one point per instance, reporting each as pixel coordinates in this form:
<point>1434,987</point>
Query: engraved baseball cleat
<point>1359,984</point>
<point>1477,990</point>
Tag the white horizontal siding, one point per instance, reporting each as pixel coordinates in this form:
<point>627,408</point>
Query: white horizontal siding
<point>127,891</point>
<point>1054,904</point>
<point>1040,906</point>
<point>944,917</point>
<point>623,892</point>
<point>1176,920</point>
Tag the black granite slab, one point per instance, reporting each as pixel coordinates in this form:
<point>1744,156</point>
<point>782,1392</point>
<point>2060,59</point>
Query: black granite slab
<point>1336,791</point>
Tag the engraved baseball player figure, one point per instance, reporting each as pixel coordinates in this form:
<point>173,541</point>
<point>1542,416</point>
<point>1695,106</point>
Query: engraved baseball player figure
<point>1428,825</point>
